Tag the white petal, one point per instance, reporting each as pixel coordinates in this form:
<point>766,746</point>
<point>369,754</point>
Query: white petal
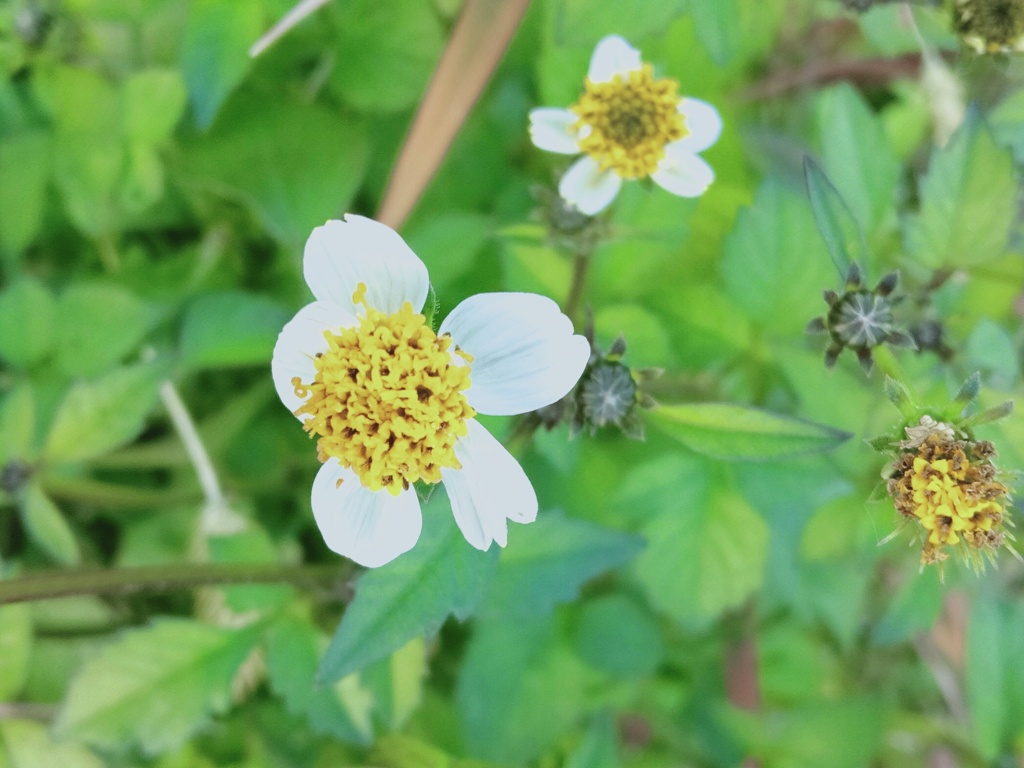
<point>490,488</point>
<point>341,254</point>
<point>589,188</point>
<point>525,353</point>
<point>298,343</point>
<point>682,173</point>
<point>551,129</point>
<point>703,123</point>
<point>613,56</point>
<point>369,527</point>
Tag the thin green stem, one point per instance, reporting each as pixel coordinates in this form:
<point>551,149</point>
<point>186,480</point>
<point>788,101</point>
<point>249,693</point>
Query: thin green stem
<point>580,268</point>
<point>84,581</point>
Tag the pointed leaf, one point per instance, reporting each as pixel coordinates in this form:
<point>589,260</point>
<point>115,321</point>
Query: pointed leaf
<point>839,229</point>
<point>46,526</point>
<point>900,396</point>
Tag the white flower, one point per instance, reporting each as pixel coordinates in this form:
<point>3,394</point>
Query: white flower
<point>628,125</point>
<point>392,402</point>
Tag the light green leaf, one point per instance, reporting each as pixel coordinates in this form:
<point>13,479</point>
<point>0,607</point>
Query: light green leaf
<point>25,164</point>
<point>992,349</point>
<point>740,432</point>
<point>703,558</point>
<point>548,561</point>
<point>986,666</point>
<point>718,27</point>
<point>302,164</point>
<point>254,547</point>
<point>405,39</point>
<point>17,424</point>
<point>154,687</point>
<point>142,184</point>
<point>88,169</point>
<point>968,201</point>
<point>411,596</point>
<point>153,101</point>
<point>27,322</point>
<point>100,415</point>
<point>15,648</point>
<point>616,635</point>
<point>396,684</point>
<point>448,243</point>
<point>230,328</point>
<point>46,526</point>
<point>775,264</point>
<point>100,324</point>
<point>838,227</point>
<point>914,608</point>
<point>215,52</point>
<point>28,744</point>
<point>600,746</point>
<point>84,102</point>
<point>582,23</point>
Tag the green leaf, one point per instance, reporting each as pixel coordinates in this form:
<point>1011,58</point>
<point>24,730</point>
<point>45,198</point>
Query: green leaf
<point>914,608</point>
<point>230,328</point>
<point>25,164</point>
<point>775,264</point>
<point>582,23</point>
<point>992,349</point>
<point>718,27</point>
<point>302,165</point>
<point>154,687</point>
<point>27,744</point>
<point>100,324</point>
<point>448,243</point>
<point>986,666</point>
<point>17,424</point>
<point>411,596</point>
<point>293,649</point>
<point>27,322</point>
<point>703,558</point>
<point>88,169</point>
<point>548,561</point>
<point>153,102</point>
<point>249,547</point>
<point>838,227</point>
<point>405,38</point>
<point>519,689</point>
<point>968,201</point>
<point>616,635</point>
<point>15,648</point>
<point>396,684</point>
<point>739,432</point>
<point>600,746</point>
<point>46,526</point>
<point>215,52</point>
<point>100,415</point>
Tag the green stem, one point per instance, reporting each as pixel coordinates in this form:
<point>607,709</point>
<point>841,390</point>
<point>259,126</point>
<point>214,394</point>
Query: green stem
<point>889,365</point>
<point>84,581</point>
<point>580,267</point>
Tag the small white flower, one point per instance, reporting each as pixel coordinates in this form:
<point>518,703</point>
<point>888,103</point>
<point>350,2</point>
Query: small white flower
<point>391,402</point>
<point>628,125</point>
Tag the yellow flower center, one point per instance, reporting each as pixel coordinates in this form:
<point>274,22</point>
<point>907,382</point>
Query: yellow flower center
<point>630,120</point>
<point>387,400</point>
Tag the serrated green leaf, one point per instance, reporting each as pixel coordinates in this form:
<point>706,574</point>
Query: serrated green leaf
<point>100,415</point>
<point>230,328</point>
<point>46,526</point>
<point>25,167</point>
<point>968,201</point>
<point>548,561</point>
<point>153,101</point>
<point>739,432</point>
<point>703,558</point>
<point>215,51</point>
<point>15,648</point>
<point>411,596</point>
<point>839,229</point>
<point>28,744</point>
<point>100,324</point>
<point>27,323</point>
<point>154,687</point>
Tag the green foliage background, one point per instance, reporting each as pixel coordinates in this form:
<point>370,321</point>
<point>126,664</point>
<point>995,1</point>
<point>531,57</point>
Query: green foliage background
<point>156,187</point>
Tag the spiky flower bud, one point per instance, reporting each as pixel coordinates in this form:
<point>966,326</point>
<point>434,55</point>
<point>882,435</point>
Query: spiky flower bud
<point>990,26</point>
<point>860,319</point>
<point>566,226</point>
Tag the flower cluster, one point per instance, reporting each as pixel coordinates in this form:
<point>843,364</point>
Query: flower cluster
<point>990,26</point>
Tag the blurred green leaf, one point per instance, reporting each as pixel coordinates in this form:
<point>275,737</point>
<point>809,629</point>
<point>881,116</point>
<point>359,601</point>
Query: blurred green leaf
<point>986,663</point>
<point>739,432</point>
<point>775,264</point>
<point>142,183</point>
<point>993,350</point>
<point>600,746</point>
<point>154,100</point>
<point>15,648</point>
<point>84,102</point>
<point>88,170</point>
<point>230,328</point>
<point>582,23</point>
<point>296,164</point>
<point>968,201</point>
<point>27,322</point>
<point>718,27</point>
<point>616,635</point>
<point>386,52</point>
<point>448,243</point>
<point>703,558</point>
<point>396,684</point>
<point>17,424</point>
<point>100,324</point>
<point>548,561</point>
<point>100,415</point>
<point>249,547</point>
<point>215,51</point>
<point>914,608</point>
<point>154,687</point>
<point>25,167</point>
<point>838,227</point>
<point>441,576</point>
<point>46,526</point>
<point>27,744</point>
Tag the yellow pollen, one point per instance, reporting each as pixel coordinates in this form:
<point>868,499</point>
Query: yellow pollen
<point>387,399</point>
<point>626,123</point>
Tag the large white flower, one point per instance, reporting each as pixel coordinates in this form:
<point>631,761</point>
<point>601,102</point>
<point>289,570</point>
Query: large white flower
<point>392,402</point>
<point>628,125</point>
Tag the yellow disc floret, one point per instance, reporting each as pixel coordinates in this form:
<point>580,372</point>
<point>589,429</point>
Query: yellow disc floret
<point>387,400</point>
<point>625,124</point>
<point>948,486</point>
